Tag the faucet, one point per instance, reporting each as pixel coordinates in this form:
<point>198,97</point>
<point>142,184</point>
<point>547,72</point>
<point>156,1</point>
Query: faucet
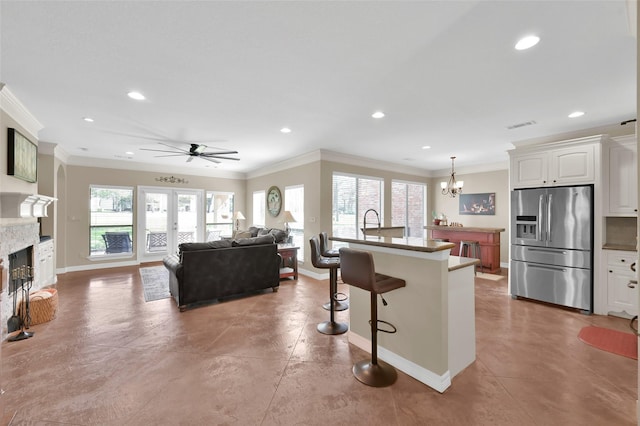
<point>364,226</point>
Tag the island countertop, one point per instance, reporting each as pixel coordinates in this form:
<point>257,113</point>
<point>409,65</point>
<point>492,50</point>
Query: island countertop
<point>463,229</point>
<point>406,243</point>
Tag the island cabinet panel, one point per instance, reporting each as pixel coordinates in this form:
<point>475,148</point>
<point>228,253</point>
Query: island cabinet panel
<point>489,239</point>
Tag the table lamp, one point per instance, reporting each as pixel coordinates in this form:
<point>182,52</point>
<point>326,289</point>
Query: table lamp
<point>238,216</point>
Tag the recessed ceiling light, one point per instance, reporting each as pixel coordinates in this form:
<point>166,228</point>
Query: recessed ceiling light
<point>88,119</point>
<point>426,147</point>
<point>576,114</point>
<point>527,42</point>
<point>136,95</point>
<point>129,153</point>
<point>378,114</point>
<point>285,130</point>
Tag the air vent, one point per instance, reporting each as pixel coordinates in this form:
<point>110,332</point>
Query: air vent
<point>516,126</point>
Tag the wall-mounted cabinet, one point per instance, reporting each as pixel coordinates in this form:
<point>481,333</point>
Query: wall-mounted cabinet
<point>621,165</point>
<point>622,286</point>
<point>563,163</point>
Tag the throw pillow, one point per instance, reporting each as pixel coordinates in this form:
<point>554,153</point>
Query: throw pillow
<point>241,234</point>
<point>254,230</point>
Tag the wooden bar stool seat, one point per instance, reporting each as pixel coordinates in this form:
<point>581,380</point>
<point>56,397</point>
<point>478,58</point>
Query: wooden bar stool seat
<point>358,270</point>
<point>332,264</point>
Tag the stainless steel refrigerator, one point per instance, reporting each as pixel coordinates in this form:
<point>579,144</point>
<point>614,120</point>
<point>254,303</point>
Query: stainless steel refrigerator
<point>552,245</point>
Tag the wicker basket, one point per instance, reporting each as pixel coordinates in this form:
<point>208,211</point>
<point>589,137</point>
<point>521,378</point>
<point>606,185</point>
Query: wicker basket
<point>43,305</point>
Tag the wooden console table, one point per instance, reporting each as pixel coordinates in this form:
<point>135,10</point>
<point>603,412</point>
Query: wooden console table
<point>289,253</point>
<point>489,239</point>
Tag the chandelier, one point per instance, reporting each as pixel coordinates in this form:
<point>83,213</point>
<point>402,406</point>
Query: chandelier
<point>452,187</point>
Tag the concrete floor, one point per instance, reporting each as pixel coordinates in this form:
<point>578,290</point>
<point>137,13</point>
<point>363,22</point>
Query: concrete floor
<point>109,358</point>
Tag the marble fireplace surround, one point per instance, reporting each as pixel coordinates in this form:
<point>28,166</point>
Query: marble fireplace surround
<point>12,239</point>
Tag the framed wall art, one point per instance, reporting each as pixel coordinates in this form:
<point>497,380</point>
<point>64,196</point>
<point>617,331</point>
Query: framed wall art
<point>478,204</point>
<point>22,158</point>
<point>274,201</point>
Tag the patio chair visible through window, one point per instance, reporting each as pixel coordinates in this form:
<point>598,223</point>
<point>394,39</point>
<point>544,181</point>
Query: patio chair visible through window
<point>117,242</point>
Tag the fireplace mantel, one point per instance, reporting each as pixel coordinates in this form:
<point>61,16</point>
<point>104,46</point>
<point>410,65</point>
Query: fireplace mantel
<point>18,204</point>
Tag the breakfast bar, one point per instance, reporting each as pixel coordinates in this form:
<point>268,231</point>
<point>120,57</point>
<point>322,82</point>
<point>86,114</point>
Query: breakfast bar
<point>434,314</point>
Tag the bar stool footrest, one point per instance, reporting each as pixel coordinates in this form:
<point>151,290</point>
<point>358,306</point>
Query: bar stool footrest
<point>339,306</point>
<point>393,327</point>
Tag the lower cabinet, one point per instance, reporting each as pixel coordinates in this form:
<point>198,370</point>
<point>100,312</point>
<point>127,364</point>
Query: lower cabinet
<point>622,288</point>
<point>47,264</point>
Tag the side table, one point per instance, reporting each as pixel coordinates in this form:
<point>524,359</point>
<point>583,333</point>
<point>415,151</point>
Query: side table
<point>289,253</point>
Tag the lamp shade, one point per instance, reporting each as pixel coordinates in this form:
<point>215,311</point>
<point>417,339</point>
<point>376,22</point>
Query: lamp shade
<point>288,217</point>
<point>238,216</point>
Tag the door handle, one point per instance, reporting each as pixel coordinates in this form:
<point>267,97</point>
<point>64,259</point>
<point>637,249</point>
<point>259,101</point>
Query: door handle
<point>632,283</point>
<point>633,266</point>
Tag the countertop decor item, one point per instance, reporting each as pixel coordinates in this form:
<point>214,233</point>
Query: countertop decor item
<point>274,201</point>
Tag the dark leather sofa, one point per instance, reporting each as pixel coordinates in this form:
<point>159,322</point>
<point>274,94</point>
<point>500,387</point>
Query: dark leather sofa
<point>206,272</point>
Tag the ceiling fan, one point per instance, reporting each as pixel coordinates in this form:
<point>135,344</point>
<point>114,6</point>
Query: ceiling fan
<point>196,150</point>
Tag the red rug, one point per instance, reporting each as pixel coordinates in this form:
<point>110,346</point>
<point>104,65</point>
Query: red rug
<point>614,341</point>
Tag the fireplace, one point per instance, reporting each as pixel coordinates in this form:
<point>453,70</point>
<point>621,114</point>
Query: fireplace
<point>20,266</point>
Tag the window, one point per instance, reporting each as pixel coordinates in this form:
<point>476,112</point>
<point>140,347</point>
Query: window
<point>408,207</point>
<point>219,215</point>
<point>111,228</point>
<point>259,201</point>
<point>352,197</point>
<point>294,203</point>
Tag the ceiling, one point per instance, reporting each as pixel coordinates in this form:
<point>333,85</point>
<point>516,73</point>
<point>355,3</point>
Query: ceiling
<point>230,75</point>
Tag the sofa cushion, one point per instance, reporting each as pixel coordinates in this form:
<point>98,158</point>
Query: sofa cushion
<point>279,235</point>
<point>264,239</point>
<point>254,231</point>
<point>205,246</point>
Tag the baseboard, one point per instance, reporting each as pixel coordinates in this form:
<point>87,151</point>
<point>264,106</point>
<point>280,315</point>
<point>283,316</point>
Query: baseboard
<point>314,275</point>
<point>429,378</point>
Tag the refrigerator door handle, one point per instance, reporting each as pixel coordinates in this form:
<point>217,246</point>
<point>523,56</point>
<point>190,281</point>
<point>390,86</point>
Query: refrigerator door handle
<point>539,234</point>
<point>549,221</point>
<point>550,268</point>
<point>554,251</point>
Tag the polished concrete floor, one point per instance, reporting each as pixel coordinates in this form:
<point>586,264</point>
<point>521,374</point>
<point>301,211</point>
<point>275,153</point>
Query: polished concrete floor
<point>109,358</point>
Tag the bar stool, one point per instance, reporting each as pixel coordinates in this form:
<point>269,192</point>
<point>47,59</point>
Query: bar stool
<point>470,249</point>
<point>332,264</point>
<point>340,298</point>
<point>358,270</point>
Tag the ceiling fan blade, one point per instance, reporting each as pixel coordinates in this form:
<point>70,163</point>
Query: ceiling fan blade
<point>190,159</point>
<point>160,150</point>
<point>220,157</point>
<point>210,159</point>
<point>208,154</point>
<point>177,154</point>
<point>174,147</point>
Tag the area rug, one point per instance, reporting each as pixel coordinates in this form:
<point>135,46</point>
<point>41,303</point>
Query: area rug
<point>155,282</point>
<point>491,277</point>
<point>614,341</point>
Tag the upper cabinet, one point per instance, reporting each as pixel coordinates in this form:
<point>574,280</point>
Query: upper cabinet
<point>621,162</point>
<point>562,163</point>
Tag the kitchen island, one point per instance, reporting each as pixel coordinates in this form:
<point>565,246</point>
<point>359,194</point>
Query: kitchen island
<point>434,313</point>
<point>489,239</point>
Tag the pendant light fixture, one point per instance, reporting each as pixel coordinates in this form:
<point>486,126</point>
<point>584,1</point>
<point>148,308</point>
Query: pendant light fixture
<point>452,187</point>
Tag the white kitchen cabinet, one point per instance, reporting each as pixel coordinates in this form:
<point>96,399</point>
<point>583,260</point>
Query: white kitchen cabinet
<point>622,289</point>
<point>47,275</point>
<point>621,160</point>
<point>561,163</point>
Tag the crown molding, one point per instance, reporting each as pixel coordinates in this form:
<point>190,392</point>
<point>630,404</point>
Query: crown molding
<point>300,160</point>
<point>154,168</point>
<point>480,168</point>
<point>12,106</point>
<point>50,148</point>
<point>355,160</point>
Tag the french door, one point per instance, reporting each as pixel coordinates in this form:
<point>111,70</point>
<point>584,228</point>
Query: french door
<point>166,218</point>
